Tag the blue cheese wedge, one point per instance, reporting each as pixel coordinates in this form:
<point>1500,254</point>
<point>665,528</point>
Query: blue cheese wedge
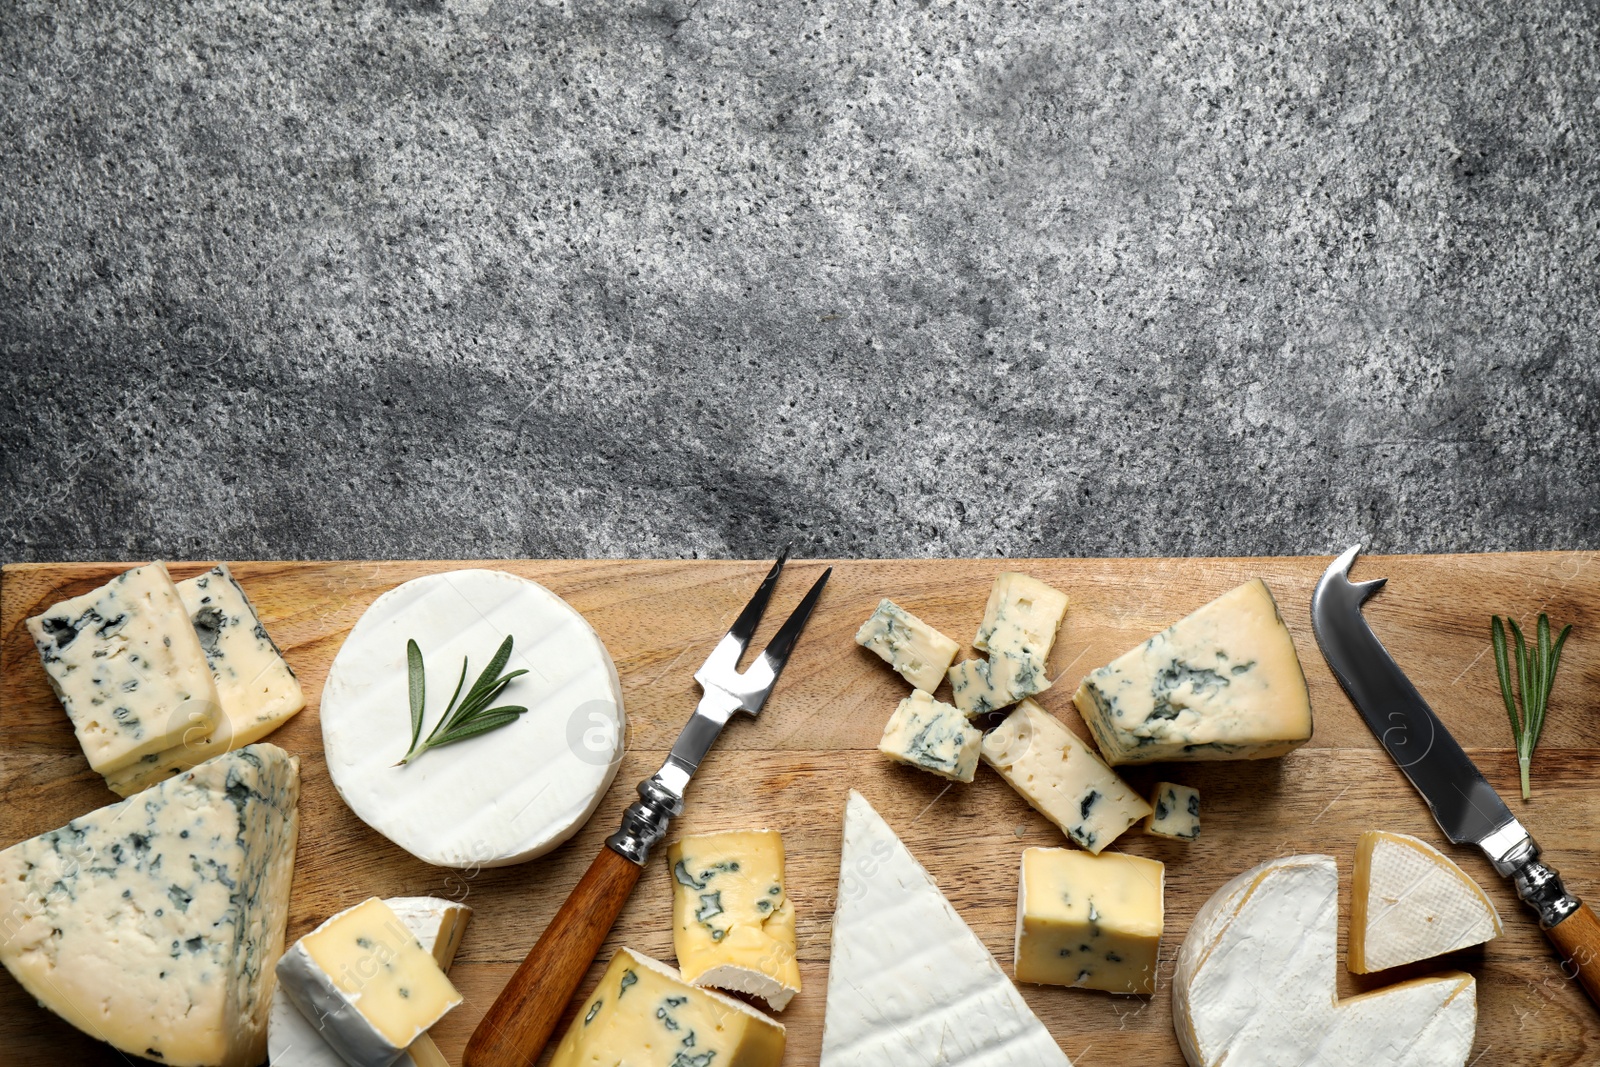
<point>154,924</point>
<point>367,983</point>
<point>1177,812</point>
<point>1061,777</point>
<point>933,736</point>
<point>128,668</point>
<point>256,689</point>
<point>916,650</point>
<point>643,1014</point>
<point>733,926</point>
<point>438,925</point>
<point>1223,683</point>
<point>1093,922</point>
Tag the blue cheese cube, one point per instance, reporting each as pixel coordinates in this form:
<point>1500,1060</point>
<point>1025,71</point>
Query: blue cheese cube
<point>1223,683</point>
<point>1060,775</point>
<point>256,690</point>
<point>1092,922</point>
<point>1176,814</point>
<point>1021,618</point>
<point>128,668</point>
<point>926,733</point>
<point>916,650</point>
<point>979,686</point>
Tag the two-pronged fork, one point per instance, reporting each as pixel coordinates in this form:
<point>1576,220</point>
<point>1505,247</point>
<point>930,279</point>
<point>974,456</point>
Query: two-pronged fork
<point>521,1020</point>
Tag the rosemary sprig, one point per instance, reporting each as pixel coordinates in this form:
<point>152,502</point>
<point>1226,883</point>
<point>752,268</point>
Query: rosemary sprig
<point>474,715</point>
<point>1536,675</point>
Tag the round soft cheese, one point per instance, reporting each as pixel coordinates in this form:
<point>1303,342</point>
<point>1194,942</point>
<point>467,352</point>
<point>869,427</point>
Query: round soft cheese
<point>504,796</point>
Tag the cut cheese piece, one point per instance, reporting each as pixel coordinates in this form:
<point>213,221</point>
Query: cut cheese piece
<point>908,981</point>
<point>128,668</point>
<point>1256,984</point>
<point>916,650</point>
<point>1061,777</point>
<point>1176,814</point>
<point>438,925</point>
<point>154,923</point>
<point>1412,903</point>
<point>500,798</point>
<point>1021,618</point>
<point>732,925</point>
<point>1089,921</point>
<point>367,983</point>
<point>979,686</point>
<point>933,736</point>
<point>643,1014</point>
<point>256,690</point>
<point>1223,683</point>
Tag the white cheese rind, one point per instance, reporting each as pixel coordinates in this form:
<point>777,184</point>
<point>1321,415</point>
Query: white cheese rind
<point>908,981</point>
<point>1222,683</point>
<point>932,736</point>
<point>1412,903</point>
<point>256,690</point>
<point>493,800</point>
<point>128,668</point>
<point>1064,780</point>
<point>154,923</point>
<point>918,652</point>
<point>294,1041</point>
<point>1256,984</point>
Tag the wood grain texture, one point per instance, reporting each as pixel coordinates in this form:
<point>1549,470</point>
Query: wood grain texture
<point>524,1017</point>
<point>791,769</point>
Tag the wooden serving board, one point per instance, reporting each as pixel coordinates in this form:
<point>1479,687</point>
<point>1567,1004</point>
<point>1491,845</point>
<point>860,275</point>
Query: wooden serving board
<point>792,768</point>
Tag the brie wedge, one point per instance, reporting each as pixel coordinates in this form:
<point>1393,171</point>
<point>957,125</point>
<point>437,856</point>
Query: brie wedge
<point>1256,984</point>
<point>909,982</point>
<point>1411,903</point>
<point>506,796</point>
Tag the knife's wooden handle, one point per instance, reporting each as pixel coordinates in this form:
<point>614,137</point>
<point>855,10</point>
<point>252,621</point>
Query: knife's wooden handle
<point>520,1022</point>
<point>1577,938</point>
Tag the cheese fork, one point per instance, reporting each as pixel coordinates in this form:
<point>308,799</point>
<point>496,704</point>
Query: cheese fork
<point>518,1025</point>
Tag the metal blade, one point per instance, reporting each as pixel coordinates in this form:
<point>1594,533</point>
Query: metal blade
<point>1465,806</point>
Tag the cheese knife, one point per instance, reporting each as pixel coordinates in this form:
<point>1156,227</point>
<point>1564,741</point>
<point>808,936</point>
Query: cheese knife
<point>1465,806</point>
<point>518,1025</point>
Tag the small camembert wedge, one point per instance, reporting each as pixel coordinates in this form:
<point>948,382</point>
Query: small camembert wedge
<point>918,652</point>
<point>1089,921</point>
<point>1222,683</point>
<point>153,924</point>
<point>932,736</point>
<point>128,668</point>
<point>257,691</point>
<point>644,1013</point>
<point>438,925</point>
<point>366,982</point>
<point>908,981</point>
<point>1062,777</point>
<point>1257,977</point>
<point>733,926</point>
<point>1176,814</point>
<point>1412,903</point>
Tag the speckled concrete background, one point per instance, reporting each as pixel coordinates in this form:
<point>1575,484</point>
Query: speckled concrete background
<point>479,279</point>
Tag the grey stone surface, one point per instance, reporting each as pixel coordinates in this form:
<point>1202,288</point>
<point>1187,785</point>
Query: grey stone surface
<point>484,279</point>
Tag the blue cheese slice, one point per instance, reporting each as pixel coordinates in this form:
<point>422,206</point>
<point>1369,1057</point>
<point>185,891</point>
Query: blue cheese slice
<point>154,923</point>
<point>1061,777</point>
<point>916,650</point>
<point>1223,683</point>
<point>256,689</point>
<point>128,667</point>
<point>933,736</point>
<point>1177,812</point>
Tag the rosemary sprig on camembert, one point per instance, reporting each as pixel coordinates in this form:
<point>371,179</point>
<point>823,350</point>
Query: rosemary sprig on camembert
<point>474,715</point>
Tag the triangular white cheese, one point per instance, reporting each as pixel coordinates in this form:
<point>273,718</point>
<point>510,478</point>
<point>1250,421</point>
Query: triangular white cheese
<point>1257,977</point>
<point>909,982</point>
<point>1412,903</point>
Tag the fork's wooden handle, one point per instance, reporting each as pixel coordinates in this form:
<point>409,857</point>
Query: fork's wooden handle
<point>1577,938</point>
<point>520,1022</point>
